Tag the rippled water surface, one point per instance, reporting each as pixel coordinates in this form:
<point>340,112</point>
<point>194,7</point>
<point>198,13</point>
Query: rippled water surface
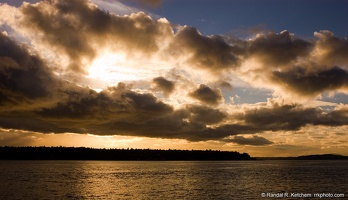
<point>168,179</point>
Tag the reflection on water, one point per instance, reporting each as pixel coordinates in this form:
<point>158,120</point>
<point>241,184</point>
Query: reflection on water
<point>169,179</point>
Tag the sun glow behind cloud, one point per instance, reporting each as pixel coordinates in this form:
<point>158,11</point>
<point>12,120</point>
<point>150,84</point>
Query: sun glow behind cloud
<point>111,68</point>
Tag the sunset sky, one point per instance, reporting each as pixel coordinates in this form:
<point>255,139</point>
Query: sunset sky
<point>265,77</point>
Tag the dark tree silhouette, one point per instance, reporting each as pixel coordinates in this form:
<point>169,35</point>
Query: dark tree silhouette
<point>83,153</point>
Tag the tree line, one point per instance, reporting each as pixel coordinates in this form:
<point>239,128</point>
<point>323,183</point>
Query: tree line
<point>84,153</point>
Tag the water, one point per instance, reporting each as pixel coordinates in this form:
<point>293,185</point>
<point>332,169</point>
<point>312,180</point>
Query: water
<point>169,179</point>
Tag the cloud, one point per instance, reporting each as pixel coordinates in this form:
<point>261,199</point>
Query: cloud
<point>207,95</point>
<point>331,50</point>
<point>210,53</point>
<point>23,76</point>
<point>164,85</point>
<point>205,115</point>
<point>254,140</point>
<point>311,83</point>
<point>192,122</point>
<point>120,111</point>
<point>293,66</point>
<point>291,117</point>
<point>29,121</point>
<point>13,138</point>
<point>112,103</point>
<point>276,50</point>
<point>79,30</point>
<point>176,125</point>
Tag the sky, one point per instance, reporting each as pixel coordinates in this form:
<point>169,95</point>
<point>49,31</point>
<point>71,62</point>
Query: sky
<point>265,77</point>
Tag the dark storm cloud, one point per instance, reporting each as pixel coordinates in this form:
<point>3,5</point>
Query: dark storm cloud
<point>207,95</point>
<point>311,83</point>
<point>82,110</point>
<point>23,76</point>
<point>176,125</point>
<point>26,84</point>
<point>113,103</point>
<point>291,117</point>
<point>78,29</point>
<point>191,123</point>
<point>187,123</point>
<point>28,121</point>
<point>278,49</point>
<point>123,112</point>
<point>286,117</point>
<point>254,140</point>
<point>164,85</point>
<point>206,52</point>
<point>205,115</point>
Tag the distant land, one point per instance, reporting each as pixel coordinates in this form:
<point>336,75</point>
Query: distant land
<point>308,157</point>
<point>323,157</point>
<point>83,153</point>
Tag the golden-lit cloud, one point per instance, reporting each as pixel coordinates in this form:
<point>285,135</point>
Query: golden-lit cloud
<point>331,50</point>
<point>79,30</point>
